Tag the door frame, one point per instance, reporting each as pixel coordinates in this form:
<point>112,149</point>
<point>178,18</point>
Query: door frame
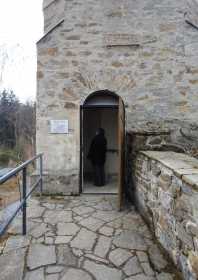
<point>87,107</point>
<point>121,153</point>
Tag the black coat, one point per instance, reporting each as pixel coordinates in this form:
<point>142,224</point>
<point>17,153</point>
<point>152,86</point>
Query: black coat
<point>97,151</point>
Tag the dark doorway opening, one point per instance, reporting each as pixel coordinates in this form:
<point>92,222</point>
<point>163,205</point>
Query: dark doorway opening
<point>105,118</point>
<point>103,109</point>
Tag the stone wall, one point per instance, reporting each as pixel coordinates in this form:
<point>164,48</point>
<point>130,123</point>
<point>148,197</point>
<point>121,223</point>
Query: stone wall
<point>166,194</point>
<point>142,50</point>
<point>53,11</point>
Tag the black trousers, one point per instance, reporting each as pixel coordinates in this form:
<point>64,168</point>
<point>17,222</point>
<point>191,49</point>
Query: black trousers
<point>99,175</point>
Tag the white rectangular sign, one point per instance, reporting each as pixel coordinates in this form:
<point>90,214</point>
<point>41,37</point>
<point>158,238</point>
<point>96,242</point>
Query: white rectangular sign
<point>59,126</point>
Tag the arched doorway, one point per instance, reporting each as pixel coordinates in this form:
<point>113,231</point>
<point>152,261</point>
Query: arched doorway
<point>104,109</point>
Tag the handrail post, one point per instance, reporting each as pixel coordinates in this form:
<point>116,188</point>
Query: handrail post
<point>41,173</point>
<point>24,199</point>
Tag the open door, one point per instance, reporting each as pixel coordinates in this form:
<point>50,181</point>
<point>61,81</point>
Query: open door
<point>81,149</point>
<point>121,152</point>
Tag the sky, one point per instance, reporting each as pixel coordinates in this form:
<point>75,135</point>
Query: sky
<point>21,26</point>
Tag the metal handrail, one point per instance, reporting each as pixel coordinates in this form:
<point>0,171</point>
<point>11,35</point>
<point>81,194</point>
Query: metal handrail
<point>22,205</point>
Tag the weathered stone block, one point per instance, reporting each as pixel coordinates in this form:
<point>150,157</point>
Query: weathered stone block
<point>186,239</point>
<point>192,228</point>
<point>40,75</point>
<point>193,260</point>
<point>52,51</point>
<point>165,181</point>
<point>74,37</point>
<point>183,208</point>
<point>166,201</point>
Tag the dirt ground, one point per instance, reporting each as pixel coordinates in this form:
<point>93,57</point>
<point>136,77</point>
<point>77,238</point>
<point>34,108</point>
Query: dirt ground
<point>9,192</point>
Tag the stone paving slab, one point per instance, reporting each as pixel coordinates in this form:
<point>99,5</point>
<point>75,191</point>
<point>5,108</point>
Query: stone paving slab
<point>16,242</point>
<point>103,246</point>
<point>76,274</point>
<point>130,240</point>
<point>82,238</point>
<point>101,271</point>
<point>119,256</point>
<point>40,255</point>
<point>12,265</point>
<point>35,275</point>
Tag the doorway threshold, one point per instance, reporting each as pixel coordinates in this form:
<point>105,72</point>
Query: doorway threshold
<point>110,188</point>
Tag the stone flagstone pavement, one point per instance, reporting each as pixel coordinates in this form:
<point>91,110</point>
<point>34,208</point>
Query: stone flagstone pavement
<point>82,238</point>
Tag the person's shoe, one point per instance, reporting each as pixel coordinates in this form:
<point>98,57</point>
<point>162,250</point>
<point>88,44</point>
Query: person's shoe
<point>98,185</point>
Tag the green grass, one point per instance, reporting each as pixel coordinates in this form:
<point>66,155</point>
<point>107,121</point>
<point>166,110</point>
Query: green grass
<point>6,155</point>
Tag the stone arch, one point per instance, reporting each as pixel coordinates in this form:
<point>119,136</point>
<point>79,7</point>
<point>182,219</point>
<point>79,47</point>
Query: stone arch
<point>118,83</point>
<point>102,98</point>
<point>111,97</point>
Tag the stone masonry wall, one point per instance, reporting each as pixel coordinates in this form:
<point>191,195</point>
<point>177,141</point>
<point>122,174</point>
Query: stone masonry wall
<point>166,194</point>
<point>142,50</point>
<point>53,11</point>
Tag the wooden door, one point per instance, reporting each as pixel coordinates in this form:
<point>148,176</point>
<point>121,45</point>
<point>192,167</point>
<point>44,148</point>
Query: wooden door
<point>121,153</point>
<point>81,150</point>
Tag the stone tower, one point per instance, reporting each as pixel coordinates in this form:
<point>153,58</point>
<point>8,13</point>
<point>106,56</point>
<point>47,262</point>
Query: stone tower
<point>143,50</point>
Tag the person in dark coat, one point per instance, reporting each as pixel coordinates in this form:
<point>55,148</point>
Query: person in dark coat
<point>97,155</point>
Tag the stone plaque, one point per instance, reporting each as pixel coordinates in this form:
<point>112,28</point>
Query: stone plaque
<point>121,39</point>
<point>111,40</point>
<point>59,126</point>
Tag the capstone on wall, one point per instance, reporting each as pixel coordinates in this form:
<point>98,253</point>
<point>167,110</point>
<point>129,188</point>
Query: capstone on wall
<point>142,50</point>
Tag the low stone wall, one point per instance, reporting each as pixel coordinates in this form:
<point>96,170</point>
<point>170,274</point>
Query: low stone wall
<point>58,184</point>
<point>166,194</point>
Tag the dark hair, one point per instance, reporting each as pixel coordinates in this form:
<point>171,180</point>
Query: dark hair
<point>101,131</point>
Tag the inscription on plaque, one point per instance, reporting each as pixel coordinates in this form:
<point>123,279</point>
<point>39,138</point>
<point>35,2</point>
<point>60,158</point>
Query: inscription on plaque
<point>59,126</point>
